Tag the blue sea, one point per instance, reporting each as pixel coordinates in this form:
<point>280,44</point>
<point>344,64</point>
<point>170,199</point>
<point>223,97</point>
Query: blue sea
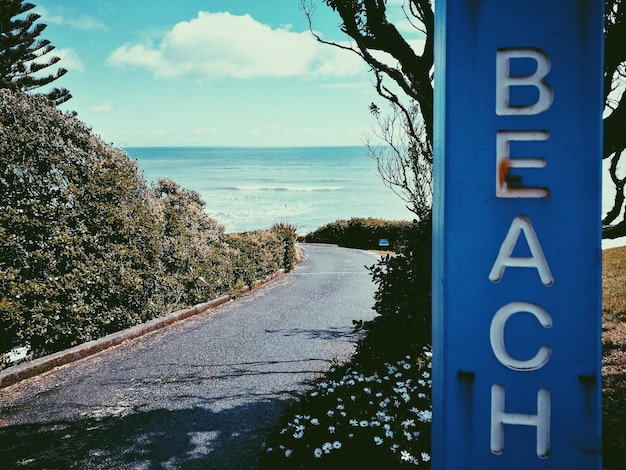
<point>252,188</point>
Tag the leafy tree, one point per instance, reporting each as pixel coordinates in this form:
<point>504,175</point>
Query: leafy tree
<point>22,54</point>
<point>406,83</point>
<point>615,112</point>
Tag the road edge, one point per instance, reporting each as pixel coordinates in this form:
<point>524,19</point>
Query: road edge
<point>15,374</point>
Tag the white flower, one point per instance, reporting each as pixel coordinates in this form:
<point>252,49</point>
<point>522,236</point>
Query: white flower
<point>425,416</point>
<point>314,394</point>
<point>330,412</point>
<point>407,366</point>
<point>323,385</point>
<point>298,435</point>
<point>337,445</point>
<point>331,429</point>
<point>406,456</point>
<point>288,452</point>
<point>340,407</point>
<point>378,440</point>
<point>367,390</point>
<point>315,421</point>
<point>389,433</point>
<point>352,397</point>
<point>353,422</point>
<point>317,453</point>
<point>408,422</point>
<point>327,447</point>
<point>394,448</point>
<point>425,457</point>
<point>364,423</point>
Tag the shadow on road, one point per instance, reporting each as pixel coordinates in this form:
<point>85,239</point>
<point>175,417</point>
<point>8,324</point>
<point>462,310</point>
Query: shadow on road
<point>325,334</point>
<point>192,438</point>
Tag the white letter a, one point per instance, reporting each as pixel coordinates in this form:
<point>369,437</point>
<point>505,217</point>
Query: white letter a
<point>521,223</point>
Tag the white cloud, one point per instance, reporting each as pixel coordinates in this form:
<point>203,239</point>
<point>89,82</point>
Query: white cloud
<point>102,108</point>
<point>69,59</point>
<point>215,45</point>
<point>65,17</point>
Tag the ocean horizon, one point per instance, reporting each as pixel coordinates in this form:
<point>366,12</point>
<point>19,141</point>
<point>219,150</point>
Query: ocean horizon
<point>250,188</point>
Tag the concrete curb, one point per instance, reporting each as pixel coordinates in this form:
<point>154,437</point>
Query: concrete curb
<point>26,370</point>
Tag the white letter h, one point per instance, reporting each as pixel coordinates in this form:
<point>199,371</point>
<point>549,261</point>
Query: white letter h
<point>541,420</point>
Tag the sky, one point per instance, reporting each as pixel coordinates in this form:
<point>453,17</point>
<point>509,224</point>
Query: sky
<point>211,72</point>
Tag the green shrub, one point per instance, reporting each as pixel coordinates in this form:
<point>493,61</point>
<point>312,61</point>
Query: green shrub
<point>261,253</point>
<point>362,233</point>
<point>194,255</point>
<point>403,303</point>
<point>79,241</point>
<point>287,234</point>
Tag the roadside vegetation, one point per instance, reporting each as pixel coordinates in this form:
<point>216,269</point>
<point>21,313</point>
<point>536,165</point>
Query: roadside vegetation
<point>375,409</point>
<point>87,248</point>
<point>364,233</point>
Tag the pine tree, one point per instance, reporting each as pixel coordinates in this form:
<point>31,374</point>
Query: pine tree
<point>22,53</point>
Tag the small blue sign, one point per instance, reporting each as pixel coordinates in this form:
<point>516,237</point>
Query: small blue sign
<point>516,233</point>
<point>383,242</point>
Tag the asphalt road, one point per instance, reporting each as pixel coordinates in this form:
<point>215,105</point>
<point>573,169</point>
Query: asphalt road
<point>199,394</point>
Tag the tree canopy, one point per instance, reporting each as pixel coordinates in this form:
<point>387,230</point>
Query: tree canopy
<point>23,55</point>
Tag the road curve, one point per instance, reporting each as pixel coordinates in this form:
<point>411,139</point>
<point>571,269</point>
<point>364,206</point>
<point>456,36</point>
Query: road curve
<point>202,393</point>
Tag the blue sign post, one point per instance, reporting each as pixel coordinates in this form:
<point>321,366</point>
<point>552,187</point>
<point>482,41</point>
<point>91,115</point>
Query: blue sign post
<point>517,260</point>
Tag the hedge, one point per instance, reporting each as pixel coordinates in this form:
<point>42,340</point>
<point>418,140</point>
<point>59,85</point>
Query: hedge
<point>88,248</point>
<point>364,233</point>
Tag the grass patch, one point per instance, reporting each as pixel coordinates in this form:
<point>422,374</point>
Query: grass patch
<point>614,357</point>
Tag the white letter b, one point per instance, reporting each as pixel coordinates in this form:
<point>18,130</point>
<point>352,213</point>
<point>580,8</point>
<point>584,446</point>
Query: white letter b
<point>504,81</point>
